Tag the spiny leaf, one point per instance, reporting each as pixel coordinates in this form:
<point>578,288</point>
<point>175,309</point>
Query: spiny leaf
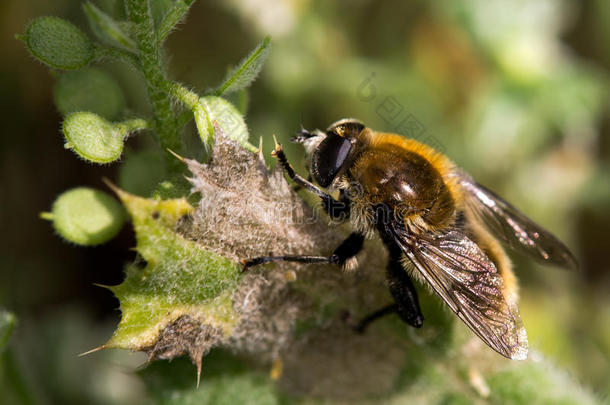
<point>107,29</point>
<point>181,284</point>
<point>58,43</point>
<point>247,70</point>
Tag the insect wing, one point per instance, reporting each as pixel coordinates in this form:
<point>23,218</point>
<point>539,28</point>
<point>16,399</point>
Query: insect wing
<point>469,282</point>
<point>514,228</point>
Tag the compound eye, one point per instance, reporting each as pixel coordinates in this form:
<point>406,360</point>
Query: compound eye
<point>329,158</point>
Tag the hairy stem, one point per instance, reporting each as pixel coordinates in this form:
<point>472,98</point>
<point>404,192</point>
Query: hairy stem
<point>150,57</point>
<point>187,97</point>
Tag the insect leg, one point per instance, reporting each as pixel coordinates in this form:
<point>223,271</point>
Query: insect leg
<point>297,187</point>
<point>335,209</point>
<point>370,318</point>
<point>349,248</point>
<point>279,154</point>
<point>403,291</point>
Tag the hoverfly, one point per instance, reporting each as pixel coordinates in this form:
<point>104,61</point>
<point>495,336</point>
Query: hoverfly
<point>437,223</point>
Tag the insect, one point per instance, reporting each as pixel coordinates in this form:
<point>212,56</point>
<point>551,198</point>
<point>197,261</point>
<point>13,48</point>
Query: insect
<point>436,222</point>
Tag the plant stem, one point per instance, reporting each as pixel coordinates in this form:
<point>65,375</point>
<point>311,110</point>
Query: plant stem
<point>135,124</point>
<point>138,12</point>
<point>187,97</point>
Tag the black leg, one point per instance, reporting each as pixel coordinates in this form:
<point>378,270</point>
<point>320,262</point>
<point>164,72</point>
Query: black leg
<point>279,154</point>
<point>403,291</point>
<point>349,248</point>
<point>337,210</point>
<point>406,304</point>
<point>296,187</point>
<point>387,310</point>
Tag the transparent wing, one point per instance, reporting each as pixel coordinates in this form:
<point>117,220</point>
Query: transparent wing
<point>514,228</point>
<point>470,284</point>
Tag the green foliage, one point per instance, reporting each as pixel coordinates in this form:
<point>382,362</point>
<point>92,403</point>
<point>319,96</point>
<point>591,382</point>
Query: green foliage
<point>95,139</point>
<point>90,99</point>
<point>92,90</point>
<point>86,216</point>
<point>180,278</point>
<point>539,383</point>
<point>218,109</point>
<point>185,285</point>
<point>226,381</point>
<point>172,17</point>
<point>142,171</point>
<point>107,29</point>
<point>58,43</point>
<point>247,70</point>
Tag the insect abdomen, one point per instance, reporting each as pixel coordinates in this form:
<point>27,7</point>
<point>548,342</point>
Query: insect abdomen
<point>406,181</point>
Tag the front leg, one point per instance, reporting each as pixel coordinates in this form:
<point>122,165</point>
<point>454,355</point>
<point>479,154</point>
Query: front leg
<point>337,210</point>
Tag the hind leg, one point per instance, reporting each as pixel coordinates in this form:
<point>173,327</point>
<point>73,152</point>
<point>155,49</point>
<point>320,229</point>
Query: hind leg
<point>406,303</point>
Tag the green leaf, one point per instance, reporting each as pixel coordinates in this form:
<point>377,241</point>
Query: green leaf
<point>86,216</point>
<point>181,281</point>
<point>159,9</point>
<point>227,381</point>
<point>240,99</point>
<point>212,109</point>
<point>536,383</point>
<point>175,187</point>
<point>89,89</point>
<point>172,18</point>
<point>58,43</point>
<point>249,67</point>
<point>107,29</point>
<point>95,139</point>
<point>140,172</point>
<point>7,324</point>
<point>204,125</point>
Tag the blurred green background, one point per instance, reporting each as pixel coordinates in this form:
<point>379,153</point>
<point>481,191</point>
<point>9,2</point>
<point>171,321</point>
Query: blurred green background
<point>514,92</point>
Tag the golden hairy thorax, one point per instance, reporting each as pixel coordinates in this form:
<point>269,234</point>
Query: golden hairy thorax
<point>407,176</point>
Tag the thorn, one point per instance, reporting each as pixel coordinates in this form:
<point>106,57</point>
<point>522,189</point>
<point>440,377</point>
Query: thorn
<point>109,287</point>
<point>198,364</point>
<point>107,182</point>
<point>261,158</point>
<point>113,187</point>
<point>180,158</point>
<point>97,349</point>
<point>276,369</point>
<point>278,147</point>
